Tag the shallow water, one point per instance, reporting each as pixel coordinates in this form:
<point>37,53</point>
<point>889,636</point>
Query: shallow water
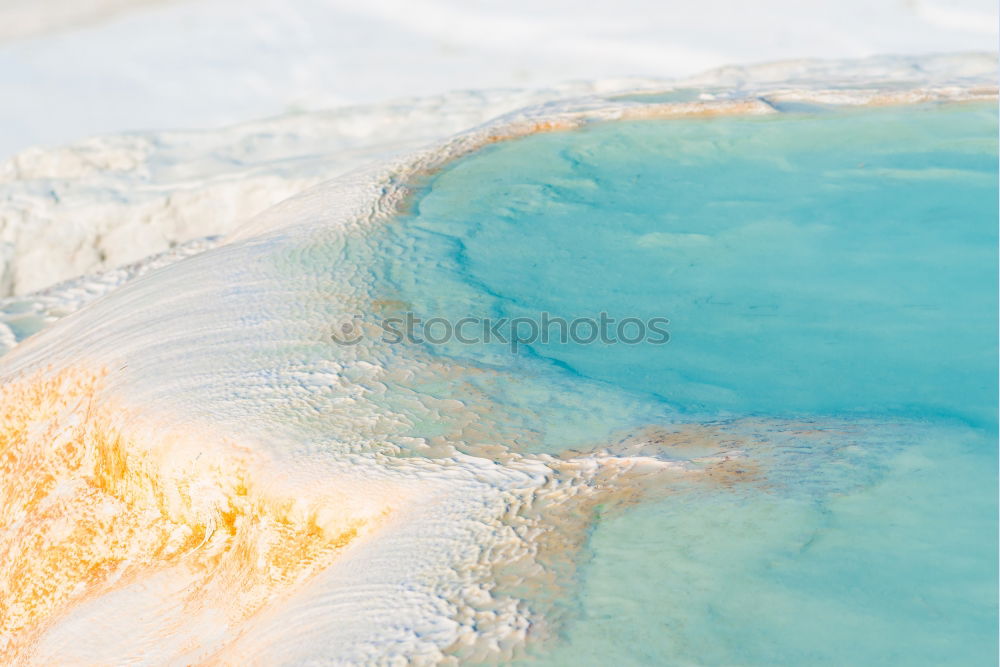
<point>833,267</point>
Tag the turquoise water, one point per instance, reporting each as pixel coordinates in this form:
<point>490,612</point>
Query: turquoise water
<point>832,267</point>
<point>899,571</point>
<point>831,263</point>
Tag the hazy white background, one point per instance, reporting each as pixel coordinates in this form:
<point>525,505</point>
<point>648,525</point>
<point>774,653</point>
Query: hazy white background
<point>73,68</point>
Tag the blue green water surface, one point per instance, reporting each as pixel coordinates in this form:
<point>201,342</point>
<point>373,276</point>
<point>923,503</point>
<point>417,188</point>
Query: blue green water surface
<point>825,266</point>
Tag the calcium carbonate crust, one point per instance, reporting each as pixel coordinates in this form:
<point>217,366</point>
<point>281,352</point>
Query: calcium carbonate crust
<point>197,424</point>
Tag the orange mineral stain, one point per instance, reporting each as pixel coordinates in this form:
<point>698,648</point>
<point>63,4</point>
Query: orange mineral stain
<point>86,509</point>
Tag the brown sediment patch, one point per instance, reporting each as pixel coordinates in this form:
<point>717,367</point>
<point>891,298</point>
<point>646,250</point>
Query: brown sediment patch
<point>529,127</point>
<point>716,455</point>
<point>85,509</point>
<point>682,440</point>
<point>729,472</point>
<point>707,109</point>
<point>390,306</point>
